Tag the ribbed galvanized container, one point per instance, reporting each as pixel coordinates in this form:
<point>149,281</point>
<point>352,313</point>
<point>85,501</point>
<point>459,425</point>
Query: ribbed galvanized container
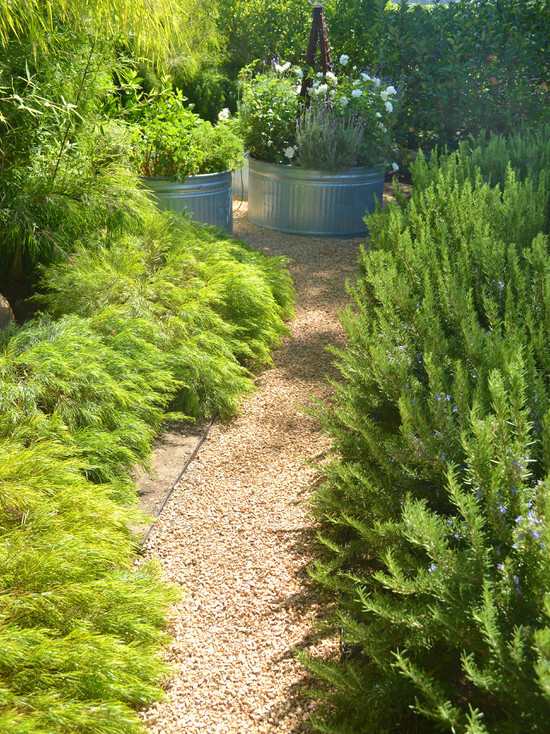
<point>300,201</point>
<point>240,182</point>
<point>206,198</point>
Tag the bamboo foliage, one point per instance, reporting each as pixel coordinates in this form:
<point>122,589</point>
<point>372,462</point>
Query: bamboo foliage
<point>160,28</point>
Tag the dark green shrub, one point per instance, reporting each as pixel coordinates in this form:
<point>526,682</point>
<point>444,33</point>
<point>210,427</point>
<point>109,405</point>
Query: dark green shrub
<point>267,29</point>
<point>435,509</point>
<point>466,66</point>
<point>208,89</point>
<point>262,30</point>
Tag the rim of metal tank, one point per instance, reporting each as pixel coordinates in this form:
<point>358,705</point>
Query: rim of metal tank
<point>297,172</point>
<point>196,176</point>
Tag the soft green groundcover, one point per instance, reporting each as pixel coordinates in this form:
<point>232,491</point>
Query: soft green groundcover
<point>435,510</point>
<point>171,317</point>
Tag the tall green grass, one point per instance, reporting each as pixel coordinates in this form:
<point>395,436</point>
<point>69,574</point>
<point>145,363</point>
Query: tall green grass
<point>169,319</point>
<point>80,625</point>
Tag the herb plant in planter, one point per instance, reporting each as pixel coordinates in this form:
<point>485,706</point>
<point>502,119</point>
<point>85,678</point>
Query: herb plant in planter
<point>187,161</point>
<point>317,162</point>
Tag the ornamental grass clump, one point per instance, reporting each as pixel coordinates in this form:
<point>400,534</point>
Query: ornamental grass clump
<point>81,625</point>
<point>327,141</point>
<point>435,508</point>
<point>166,319</point>
<point>213,307</point>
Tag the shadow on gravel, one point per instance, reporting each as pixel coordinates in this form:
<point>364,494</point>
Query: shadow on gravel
<point>298,706</point>
<point>306,358</point>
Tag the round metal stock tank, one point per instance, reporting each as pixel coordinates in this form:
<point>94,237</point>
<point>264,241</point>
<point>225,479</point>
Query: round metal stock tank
<point>300,201</point>
<point>206,198</point>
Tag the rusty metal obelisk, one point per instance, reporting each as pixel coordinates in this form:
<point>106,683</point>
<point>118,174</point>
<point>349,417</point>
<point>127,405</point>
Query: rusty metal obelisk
<point>318,42</point>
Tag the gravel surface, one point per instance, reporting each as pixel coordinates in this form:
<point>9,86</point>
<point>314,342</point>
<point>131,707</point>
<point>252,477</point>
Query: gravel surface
<point>236,532</point>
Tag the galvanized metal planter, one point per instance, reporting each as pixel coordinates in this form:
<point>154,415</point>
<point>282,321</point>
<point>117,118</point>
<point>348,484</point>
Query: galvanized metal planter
<point>300,201</point>
<point>206,198</point>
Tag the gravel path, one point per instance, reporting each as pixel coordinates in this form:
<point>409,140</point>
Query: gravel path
<point>236,532</point>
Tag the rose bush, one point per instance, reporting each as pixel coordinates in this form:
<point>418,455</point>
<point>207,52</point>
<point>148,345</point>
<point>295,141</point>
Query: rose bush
<point>279,125</point>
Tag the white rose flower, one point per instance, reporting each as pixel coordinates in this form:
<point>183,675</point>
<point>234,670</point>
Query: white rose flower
<point>322,89</point>
<point>394,167</point>
<point>389,106</point>
<point>344,101</point>
<point>281,68</point>
<point>376,81</point>
<point>357,93</point>
<point>378,114</point>
<point>344,59</point>
<point>384,96</point>
<point>290,152</point>
<point>391,90</point>
<point>298,88</point>
<point>299,72</point>
<point>224,114</point>
<point>365,77</point>
<point>331,77</point>
<point>319,75</point>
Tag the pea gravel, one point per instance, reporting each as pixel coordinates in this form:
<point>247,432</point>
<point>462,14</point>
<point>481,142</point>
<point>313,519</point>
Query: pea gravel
<point>236,532</point>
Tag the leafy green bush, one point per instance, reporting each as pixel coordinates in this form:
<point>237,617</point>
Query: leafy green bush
<point>176,142</point>
<point>267,115</point>
<point>435,508</point>
<point>208,89</point>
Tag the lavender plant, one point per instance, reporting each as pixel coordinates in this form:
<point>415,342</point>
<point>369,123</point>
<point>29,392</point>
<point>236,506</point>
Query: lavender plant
<point>328,141</point>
